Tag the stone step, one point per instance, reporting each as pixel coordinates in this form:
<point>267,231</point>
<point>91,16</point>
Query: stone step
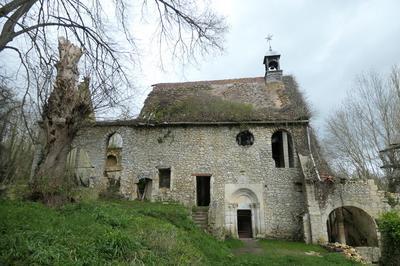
<point>202,212</point>
<point>200,218</point>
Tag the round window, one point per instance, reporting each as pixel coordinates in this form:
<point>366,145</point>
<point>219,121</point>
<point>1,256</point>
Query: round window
<point>245,138</point>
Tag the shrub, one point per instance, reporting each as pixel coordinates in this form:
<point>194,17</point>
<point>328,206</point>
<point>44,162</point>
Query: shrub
<point>389,225</point>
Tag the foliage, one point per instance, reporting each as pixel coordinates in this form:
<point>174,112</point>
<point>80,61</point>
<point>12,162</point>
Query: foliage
<point>53,191</point>
<point>392,200</point>
<point>389,226</point>
<point>129,233</point>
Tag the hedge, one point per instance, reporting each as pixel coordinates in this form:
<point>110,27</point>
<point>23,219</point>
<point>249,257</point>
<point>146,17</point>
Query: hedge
<point>389,226</point>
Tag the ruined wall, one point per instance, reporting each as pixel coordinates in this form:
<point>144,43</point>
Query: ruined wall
<point>191,150</point>
<point>361,194</point>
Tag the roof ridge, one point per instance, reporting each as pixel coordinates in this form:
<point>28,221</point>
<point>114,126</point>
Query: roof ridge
<point>205,82</point>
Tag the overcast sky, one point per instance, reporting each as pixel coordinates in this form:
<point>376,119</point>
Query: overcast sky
<point>324,44</point>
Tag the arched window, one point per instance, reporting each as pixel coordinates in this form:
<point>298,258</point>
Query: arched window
<point>282,149</point>
<point>115,141</point>
<point>113,153</point>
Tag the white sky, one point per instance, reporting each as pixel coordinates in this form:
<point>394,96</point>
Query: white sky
<point>324,44</point>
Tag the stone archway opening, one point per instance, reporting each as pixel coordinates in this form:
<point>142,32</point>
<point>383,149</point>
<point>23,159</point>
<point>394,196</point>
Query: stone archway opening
<point>244,213</point>
<point>352,226</point>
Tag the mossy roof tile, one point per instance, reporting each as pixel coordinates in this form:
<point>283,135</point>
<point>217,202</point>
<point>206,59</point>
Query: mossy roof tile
<point>231,100</point>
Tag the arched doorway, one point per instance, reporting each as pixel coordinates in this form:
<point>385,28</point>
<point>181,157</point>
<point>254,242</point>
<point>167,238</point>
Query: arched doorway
<point>352,226</point>
<point>244,212</point>
<point>245,228</point>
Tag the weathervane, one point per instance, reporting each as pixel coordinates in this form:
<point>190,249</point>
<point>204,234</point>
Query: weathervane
<point>269,39</point>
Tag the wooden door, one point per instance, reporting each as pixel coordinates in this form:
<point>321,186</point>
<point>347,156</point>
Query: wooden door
<point>203,190</point>
<point>244,224</point>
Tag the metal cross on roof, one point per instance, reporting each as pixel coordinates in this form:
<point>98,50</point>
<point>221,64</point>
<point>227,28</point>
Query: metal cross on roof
<point>269,39</point>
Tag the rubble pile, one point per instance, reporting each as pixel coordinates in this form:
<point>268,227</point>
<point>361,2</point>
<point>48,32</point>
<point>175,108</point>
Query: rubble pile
<point>348,251</point>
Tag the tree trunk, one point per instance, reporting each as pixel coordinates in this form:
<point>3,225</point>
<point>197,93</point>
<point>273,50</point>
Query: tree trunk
<point>67,108</point>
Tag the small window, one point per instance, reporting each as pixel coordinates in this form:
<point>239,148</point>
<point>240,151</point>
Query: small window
<point>111,161</point>
<point>282,149</point>
<point>245,138</point>
<point>164,177</point>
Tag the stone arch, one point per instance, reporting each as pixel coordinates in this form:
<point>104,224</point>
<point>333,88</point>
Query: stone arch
<point>351,225</point>
<point>114,140</point>
<point>243,200</point>
<point>245,196</point>
<point>282,147</point>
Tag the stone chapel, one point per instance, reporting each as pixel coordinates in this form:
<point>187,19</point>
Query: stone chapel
<point>240,154</point>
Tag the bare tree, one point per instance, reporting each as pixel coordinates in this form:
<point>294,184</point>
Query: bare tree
<point>104,32</point>
<point>15,145</point>
<point>103,29</point>
<point>367,122</point>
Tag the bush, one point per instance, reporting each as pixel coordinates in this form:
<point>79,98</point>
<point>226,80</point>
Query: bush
<point>389,225</point>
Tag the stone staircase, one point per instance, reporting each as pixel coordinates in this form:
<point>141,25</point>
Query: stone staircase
<point>200,217</point>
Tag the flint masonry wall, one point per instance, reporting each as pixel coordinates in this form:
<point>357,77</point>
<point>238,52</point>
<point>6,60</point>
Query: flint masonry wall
<point>362,194</point>
<point>191,150</point>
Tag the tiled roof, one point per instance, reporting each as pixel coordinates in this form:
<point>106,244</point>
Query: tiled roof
<point>231,100</point>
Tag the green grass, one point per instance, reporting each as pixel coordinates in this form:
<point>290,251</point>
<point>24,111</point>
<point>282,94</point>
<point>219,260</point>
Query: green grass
<point>128,233</point>
<point>276,252</point>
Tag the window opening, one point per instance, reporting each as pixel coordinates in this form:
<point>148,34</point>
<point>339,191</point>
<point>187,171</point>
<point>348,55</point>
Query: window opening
<point>245,138</point>
<point>282,149</point>
<point>164,177</point>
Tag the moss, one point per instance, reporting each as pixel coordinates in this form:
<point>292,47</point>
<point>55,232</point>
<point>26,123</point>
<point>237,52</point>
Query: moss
<point>195,108</point>
<point>225,101</point>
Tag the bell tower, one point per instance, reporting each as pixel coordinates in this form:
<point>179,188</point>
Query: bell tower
<point>273,70</point>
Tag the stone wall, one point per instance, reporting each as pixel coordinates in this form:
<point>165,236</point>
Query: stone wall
<point>361,194</point>
<point>196,150</point>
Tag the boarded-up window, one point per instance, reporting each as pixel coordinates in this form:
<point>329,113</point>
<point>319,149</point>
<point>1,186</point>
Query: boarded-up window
<point>164,177</point>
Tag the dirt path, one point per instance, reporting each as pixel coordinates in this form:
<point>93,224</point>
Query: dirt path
<point>251,246</point>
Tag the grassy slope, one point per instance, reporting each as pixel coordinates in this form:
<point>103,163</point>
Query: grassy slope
<point>278,252</point>
<point>126,233</point>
